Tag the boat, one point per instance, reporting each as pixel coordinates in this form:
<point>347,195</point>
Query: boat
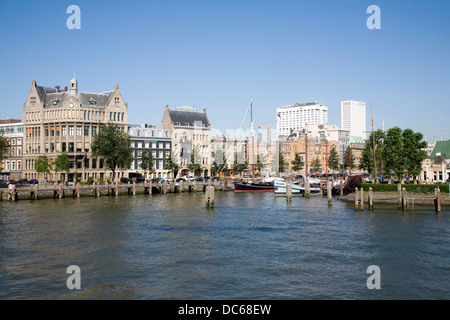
<point>254,186</point>
<point>281,186</point>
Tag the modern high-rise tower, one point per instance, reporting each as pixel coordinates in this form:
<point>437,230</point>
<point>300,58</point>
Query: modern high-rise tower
<point>353,118</point>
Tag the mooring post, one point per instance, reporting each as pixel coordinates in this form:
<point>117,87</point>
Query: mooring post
<point>321,188</point>
<point>342,188</point>
<point>437,200</point>
<point>117,189</point>
<point>98,190</point>
<point>399,189</point>
<point>329,193</point>
<point>78,190</point>
<point>60,191</point>
<point>307,189</point>
<point>134,188</point>
<point>356,198</point>
<point>370,199</point>
<point>288,191</point>
<point>210,196</point>
<point>404,200</point>
<point>150,188</point>
<point>362,199</point>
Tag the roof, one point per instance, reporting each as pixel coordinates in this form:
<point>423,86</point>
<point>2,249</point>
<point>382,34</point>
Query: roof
<point>49,95</point>
<point>188,118</point>
<point>442,147</point>
<point>357,140</point>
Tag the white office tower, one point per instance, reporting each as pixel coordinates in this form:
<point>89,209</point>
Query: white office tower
<point>353,118</point>
<point>294,118</point>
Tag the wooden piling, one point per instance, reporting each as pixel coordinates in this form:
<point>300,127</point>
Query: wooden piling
<point>150,189</point>
<point>307,189</point>
<point>356,199</point>
<point>117,189</point>
<point>78,190</point>
<point>329,193</point>
<point>362,199</point>
<point>437,200</point>
<point>134,188</point>
<point>60,191</point>
<point>98,190</point>
<point>399,189</point>
<point>289,191</point>
<point>404,200</point>
<point>342,188</point>
<point>370,199</point>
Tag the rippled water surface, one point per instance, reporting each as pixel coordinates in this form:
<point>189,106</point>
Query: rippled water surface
<point>251,246</point>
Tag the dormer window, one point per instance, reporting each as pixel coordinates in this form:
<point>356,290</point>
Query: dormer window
<point>116,101</point>
<point>55,102</point>
<point>92,102</point>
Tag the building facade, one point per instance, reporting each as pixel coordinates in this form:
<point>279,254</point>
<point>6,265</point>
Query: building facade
<point>353,118</point>
<point>190,131</point>
<point>11,167</point>
<point>158,141</point>
<point>294,118</point>
<point>57,121</point>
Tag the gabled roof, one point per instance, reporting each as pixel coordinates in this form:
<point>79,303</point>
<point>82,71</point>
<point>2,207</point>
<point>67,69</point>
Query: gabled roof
<point>188,118</point>
<point>442,147</point>
<point>49,95</point>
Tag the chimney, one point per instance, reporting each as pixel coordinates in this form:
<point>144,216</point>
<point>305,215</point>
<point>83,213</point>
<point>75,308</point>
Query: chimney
<point>57,88</point>
<point>65,89</point>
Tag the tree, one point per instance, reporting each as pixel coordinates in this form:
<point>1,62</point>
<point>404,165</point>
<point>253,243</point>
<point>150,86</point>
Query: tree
<point>282,165</point>
<point>220,162</point>
<point>42,165</point>
<point>62,163</point>
<point>172,165</point>
<point>240,163</point>
<point>147,161</point>
<point>113,146</point>
<point>297,163</point>
<point>316,165</point>
<point>259,165</point>
<point>194,166</point>
<point>367,154</point>
<point>5,148</point>
<point>393,153</point>
<point>413,153</point>
<point>349,159</point>
<point>333,159</point>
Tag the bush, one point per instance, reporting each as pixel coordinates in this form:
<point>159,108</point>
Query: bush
<point>415,188</point>
<point>352,183</point>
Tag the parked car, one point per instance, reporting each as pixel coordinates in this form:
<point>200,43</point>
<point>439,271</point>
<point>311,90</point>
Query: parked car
<point>22,181</point>
<point>156,180</point>
<point>190,178</point>
<point>199,179</point>
<point>125,180</point>
<point>180,179</point>
<point>140,179</point>
<point>33,181</point>
<point>3,184</point>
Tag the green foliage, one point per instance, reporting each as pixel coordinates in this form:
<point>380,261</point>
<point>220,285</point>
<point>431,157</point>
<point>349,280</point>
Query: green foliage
<point>393,153</point>
<point>172,165</point>
<point>282,165</point>
<point>195,166</point>
<point>240,163</point>
<point>259,165</point>
<point>147,161</point>
<point>62,163</point>
<point>42,165</point>
<point>367,154</point>
<point>316,166</point>
<point>113,146</point>
<point>415,188</point>
<point>5,148</point>
<point>333,159</point>
<point>220,162</point>
<point>349,158</point>
<point>297,163</point>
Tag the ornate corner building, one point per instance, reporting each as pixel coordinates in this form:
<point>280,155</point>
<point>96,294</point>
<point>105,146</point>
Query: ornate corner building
<point>67,120</point>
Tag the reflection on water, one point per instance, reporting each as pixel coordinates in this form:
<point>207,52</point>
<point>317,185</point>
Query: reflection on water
<point>250,246</point>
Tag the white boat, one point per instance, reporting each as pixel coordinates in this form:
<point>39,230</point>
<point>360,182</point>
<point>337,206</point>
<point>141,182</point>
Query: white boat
<point>280,188</point>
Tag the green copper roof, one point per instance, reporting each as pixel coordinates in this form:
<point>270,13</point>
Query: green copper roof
<point>442,147</point>
<point>357,140</point>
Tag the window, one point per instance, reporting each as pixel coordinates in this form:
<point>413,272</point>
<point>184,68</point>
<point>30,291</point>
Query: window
<point>71,132</point>
<point>94,131</point>
<point>161,164</point>
<point>154,145</point>
<point>147,145</point>
<point>64,147</point>
<point>86,130</point>
<point>64,131</point>
<point>116,101</point>
<point>161,154</point>
<point>71,146</point>
<point>132,145</point>
<point>19,165</point>
<point>79,130</point>
<point>139,144</point>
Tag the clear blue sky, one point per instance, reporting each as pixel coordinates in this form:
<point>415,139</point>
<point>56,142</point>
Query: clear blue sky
<point>217,54</point>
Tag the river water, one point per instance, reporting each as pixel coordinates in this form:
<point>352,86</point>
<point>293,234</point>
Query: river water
<point>250,246</point>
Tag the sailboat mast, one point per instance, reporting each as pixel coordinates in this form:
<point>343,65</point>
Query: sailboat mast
<point>253,140</point>
<point>373,143</point>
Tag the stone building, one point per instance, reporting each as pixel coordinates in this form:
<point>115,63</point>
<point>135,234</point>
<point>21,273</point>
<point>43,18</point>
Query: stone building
<point>158,141</point>
<point>11,167</point>
<point>57,121</point>
<point>190,129</point>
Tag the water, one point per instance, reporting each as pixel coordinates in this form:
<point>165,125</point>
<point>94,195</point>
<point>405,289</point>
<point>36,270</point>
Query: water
<point>251,246</point>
